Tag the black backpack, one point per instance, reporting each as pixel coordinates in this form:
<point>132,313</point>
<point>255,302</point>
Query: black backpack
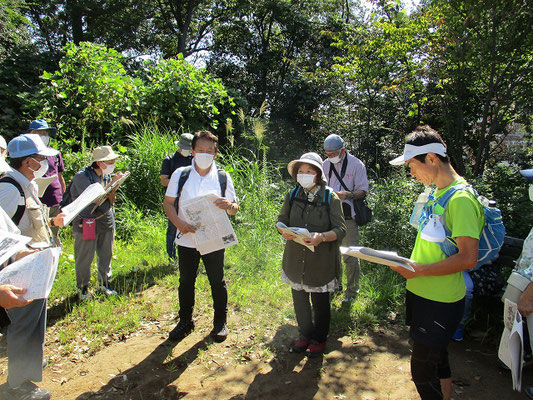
<point>222,180</point>
<point>67,196</point>
<point>21,208</point>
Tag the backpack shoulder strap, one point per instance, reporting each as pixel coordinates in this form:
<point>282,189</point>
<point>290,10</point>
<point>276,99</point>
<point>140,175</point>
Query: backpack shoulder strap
<point>183,178</point>
<point>293,193</point>
<point>326,196</point>
<point>20,208</point>
<point>222,180</point>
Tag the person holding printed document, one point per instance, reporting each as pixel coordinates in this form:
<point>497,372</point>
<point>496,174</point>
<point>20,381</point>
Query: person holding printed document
<point>94,231</point>
<point>435,291</point>
<point>19,199</point>
<point>312,274</point>
<point>203,178</point>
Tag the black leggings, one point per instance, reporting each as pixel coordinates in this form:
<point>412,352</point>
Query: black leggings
<point>428,366</point>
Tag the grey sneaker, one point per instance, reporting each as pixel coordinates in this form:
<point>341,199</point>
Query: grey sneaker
<point>107,291</point>
<point>220,331</point>
<point>29,391</point>
<point>83,293</point>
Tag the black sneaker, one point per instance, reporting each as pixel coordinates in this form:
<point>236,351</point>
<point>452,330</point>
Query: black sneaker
<point>181,330</point>
<point>219,332</point>
<point>29,391</point>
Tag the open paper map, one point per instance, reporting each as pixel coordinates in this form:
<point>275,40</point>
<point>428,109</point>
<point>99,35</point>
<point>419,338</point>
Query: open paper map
<point>390,258</point>
<point>214,229</point>
<point>10,244</point>
<point>35,272</point>
<point>300,233</point>
<point>112,186</point>
<point>90,194</point>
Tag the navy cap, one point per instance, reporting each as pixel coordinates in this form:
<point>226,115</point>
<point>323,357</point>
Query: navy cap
<point>41,125</point>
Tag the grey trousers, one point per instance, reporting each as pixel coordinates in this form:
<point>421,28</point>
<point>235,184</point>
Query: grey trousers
<point>353,270</point>
<point>84,253</point>
<point>25,343</point>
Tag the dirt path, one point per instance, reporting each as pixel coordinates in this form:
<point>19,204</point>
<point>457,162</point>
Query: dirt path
<point>147,366</point>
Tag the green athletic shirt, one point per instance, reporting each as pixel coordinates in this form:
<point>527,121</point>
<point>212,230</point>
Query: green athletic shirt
<point>464,217</point>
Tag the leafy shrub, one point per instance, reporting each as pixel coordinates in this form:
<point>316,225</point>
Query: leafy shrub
<point>179,96</point>
<point>509,189</point>
<point>89,95</point>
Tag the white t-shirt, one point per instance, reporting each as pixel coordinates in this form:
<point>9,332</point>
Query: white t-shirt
<point>195,186</point>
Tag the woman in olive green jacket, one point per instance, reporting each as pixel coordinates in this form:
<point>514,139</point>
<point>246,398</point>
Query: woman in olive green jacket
<point>312,273</point>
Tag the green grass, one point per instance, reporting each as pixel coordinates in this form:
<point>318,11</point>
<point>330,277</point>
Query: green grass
<point>257,296</point>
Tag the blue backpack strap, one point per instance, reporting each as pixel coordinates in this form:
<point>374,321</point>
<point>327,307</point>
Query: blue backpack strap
<point>293,193</point>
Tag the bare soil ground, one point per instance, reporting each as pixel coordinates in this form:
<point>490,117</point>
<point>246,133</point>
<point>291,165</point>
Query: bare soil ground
<point>147,366</point>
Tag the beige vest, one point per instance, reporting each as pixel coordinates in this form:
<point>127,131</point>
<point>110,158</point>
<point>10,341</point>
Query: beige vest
<point>37,213</point>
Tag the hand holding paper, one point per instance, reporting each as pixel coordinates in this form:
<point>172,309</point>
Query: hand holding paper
<point>390,258</point>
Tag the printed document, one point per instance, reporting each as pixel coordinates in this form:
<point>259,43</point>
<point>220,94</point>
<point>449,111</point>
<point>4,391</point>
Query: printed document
<point>214,231</point>
<point>511,350</point>
<point>11,244</point>
<point>300,233</point>
<point>390,258</point>
<point>90,194</point>
<point>112,186</point>
<point>35,273</point>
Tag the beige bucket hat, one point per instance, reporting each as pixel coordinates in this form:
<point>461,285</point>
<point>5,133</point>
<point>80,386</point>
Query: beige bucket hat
<point>104,153</point>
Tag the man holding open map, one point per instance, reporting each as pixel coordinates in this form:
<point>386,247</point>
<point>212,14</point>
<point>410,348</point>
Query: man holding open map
<point>436,289</point>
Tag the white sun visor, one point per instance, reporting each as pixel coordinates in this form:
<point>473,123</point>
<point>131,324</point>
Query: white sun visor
<point>411,151</point>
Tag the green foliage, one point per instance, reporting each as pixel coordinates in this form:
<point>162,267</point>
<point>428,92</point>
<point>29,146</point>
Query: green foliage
<point>148,146</point>
<point>179,96</point>
<point>90,94</point>
<point>509,189</point>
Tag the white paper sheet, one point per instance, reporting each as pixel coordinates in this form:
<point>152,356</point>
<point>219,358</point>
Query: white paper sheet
<point>214,230</point>
<point>10,244</point>
<point>90,194</point>
<point>35,272</point>
<point>384,257</point>
<point>511,350</point>
<point>112,186</point>
<point>43,183</point>
<point>300,233</point>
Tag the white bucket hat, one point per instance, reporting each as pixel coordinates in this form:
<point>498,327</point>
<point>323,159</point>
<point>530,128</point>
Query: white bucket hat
<point>411,151</point>
<point>308,158</point>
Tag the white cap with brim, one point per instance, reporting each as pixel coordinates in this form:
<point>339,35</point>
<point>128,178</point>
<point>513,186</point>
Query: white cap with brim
<point>307,158</point>
<point>411,151</point>
<point>528,174</point>
<point>3,143</point>
<point>27,144</point>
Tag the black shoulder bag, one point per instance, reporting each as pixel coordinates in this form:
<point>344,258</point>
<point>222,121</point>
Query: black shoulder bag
<point>363,213</point>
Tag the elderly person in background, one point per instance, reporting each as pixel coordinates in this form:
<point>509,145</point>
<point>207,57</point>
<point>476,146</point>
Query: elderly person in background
<point>347,177</point>
<point>53,194</point>
<point>312,274</point>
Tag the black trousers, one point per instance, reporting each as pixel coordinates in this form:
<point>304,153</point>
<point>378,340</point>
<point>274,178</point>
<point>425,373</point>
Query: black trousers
<point>189,259</point>
<point>319,329</point>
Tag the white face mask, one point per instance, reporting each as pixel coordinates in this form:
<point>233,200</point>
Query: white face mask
<point>46,140</point>
<point>185,153</point>
<point>334,160</point>
<point>108,170</point>
<point>531,192</point>
<point>203,160</point>
<point>42,169</point>
<point>306,180</point>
